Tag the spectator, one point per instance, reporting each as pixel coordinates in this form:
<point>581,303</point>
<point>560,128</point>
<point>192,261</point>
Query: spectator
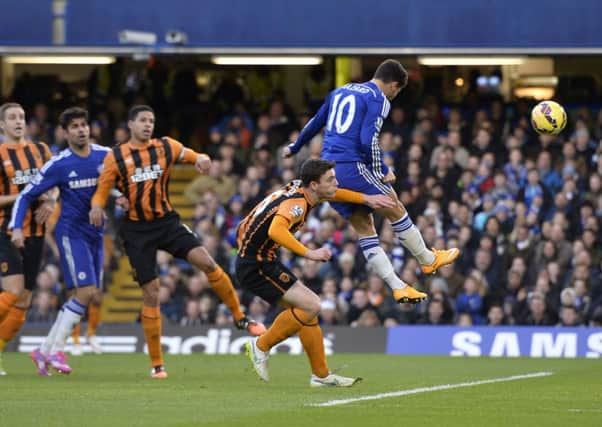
<point>216,182</point>
<point>435,314</point>
<point>496,316</point>
<point>470,301</point>
<point>538,315</point>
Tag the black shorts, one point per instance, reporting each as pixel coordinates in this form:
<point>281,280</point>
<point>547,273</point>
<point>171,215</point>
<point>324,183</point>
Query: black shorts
<point>266,279</point>
<point>142,239</point>
<point>24,261</point>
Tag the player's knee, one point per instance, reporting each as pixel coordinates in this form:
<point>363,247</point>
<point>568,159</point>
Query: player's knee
<point>14,284</point>
<point>24,301</point>
<point>85,294</point>
<point>313,306</point>
<point>200,258</point>
<point>364,227</point>
<point>150,293</point>
<point>396,213</point>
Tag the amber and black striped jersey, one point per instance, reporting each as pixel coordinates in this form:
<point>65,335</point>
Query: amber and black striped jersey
<point>19,164</point>
<point>141,173</point>
<point>253,239</point>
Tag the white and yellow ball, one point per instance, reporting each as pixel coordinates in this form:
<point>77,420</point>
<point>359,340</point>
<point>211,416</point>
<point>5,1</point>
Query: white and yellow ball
<point>548,118</point>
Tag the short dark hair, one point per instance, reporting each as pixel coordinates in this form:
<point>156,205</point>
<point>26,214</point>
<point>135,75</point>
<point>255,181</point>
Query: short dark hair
<point>4,107</point>
<point>71,114</point>
<point>391,70</point>
<point>313,169</point>
<point>137,109</point>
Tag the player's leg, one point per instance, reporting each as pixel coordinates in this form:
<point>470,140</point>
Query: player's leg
<point>141,249</point>
<point>80,280</point>
<point>218,279</point>
<point>95,303</point>
<point>11,269</point>
<point>13,311</point>
<point>72,312</point>
<point>151,324</point>
<point>312,340</point>
<point>270,281</point>
<point>76,348</point>
<point>12,323</point>
<point>351,176</point>
<point>93,321</point>
<point>410,237</point>
<point>303,308</point>
<point>181,242</point>
<point>12,288</point>
<point>10,314</point>
<point>273,282</point>
<point>378,261</point>
<point>27,263</point>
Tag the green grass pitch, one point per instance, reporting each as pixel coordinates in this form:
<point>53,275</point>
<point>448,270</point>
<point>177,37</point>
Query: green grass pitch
<point>115,390</point>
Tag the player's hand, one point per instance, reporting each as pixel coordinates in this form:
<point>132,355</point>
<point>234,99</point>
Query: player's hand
<point>203,164</point>
<point>286,152</point>
<point>17,238</point>
<point>389,178</point>
<point>322,254</point>
<point>97,216</point>
<point>123,203</point>
<point>377,201</point>
<point>44,211</point>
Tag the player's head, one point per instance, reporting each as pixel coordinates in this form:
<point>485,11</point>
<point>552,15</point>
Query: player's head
<point>393,77</point>
<point>74,121</point>
<point>12,120</point>
<point>141,121</point>
<point>318,176</point>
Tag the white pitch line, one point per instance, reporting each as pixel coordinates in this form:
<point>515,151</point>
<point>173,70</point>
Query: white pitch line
<point>429,389</point>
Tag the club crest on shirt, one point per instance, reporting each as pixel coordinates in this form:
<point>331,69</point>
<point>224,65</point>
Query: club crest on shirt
<point>296,211</point>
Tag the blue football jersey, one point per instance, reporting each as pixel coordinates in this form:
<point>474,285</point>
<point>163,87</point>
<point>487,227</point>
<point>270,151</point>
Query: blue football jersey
<point>76,177</point>
<point>352,116</point>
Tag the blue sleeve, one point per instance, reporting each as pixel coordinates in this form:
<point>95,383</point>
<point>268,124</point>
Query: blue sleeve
<point>312,127</point>
<point>47,178</point>
<point>369,133</point>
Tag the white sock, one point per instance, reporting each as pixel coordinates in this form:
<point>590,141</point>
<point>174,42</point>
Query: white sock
<point>72,314</point>
<point>379,262</point>
<point>410,237</point>
<point>49,341</point>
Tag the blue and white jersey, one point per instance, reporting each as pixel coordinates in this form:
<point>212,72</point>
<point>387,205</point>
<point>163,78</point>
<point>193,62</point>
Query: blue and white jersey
<point>76,177</point>
<point>353,116</point>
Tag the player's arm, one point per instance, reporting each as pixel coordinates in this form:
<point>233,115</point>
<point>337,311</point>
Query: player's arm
<point>106,181</point>
<point>310,130</point>
<point>45,180</point>
<point>375,201</point>
<point>8,200</point>
<point>45,210</point>
<point>279,232</point>
<point>202,162</point>
<point>370,130</point>
<point>289,213</point>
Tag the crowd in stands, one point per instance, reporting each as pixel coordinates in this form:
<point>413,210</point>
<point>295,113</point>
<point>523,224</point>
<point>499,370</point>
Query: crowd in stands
<point>524,209</point>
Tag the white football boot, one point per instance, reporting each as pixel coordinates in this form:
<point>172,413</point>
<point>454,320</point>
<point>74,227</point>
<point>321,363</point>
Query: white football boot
<point>259,359</point>
<point>333,380</point>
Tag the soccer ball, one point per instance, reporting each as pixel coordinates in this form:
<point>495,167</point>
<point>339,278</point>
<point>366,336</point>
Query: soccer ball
<point>548,118</point>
